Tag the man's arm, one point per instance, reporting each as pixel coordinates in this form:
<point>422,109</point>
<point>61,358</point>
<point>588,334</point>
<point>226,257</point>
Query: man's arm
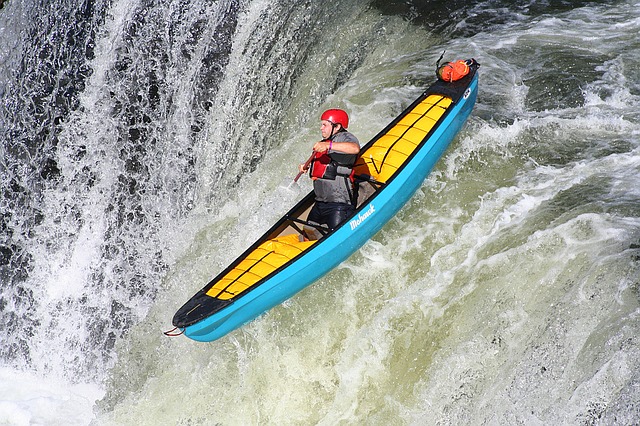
<point>344,147</point>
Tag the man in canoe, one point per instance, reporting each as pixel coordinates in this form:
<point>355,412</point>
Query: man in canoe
<point>331,169</point>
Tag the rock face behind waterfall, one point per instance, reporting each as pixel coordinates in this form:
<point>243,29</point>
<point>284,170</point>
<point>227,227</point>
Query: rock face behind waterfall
<point>143,143</point>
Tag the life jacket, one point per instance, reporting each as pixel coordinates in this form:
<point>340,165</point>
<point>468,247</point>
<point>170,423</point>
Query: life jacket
<point>325,165</point>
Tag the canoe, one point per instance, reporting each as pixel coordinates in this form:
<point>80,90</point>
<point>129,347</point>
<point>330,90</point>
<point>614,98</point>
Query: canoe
<point>389,170</point>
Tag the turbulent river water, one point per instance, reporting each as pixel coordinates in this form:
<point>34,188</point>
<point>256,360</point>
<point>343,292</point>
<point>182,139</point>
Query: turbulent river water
<point>146,143</point>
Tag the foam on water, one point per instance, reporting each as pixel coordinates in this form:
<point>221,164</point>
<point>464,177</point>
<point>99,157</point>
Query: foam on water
<point>30,400</point>
<point>505,291</point>
<point>488,302</point>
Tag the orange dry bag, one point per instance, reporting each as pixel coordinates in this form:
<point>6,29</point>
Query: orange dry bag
<point>453,71</point>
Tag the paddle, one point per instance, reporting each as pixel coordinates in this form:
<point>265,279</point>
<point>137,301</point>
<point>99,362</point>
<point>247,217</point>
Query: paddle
<point>306,166</point>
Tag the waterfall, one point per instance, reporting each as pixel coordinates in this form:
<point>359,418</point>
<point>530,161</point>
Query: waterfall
<point>145,144</point>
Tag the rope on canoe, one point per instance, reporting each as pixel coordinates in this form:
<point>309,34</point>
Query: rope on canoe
<point>173,333</point>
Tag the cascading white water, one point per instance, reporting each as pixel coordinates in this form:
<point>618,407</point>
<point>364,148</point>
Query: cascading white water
<point>146,144</point>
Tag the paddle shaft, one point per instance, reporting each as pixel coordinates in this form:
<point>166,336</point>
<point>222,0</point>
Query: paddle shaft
<point>306,166</point>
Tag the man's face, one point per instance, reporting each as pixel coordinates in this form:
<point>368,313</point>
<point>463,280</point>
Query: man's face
<point>325,128</point>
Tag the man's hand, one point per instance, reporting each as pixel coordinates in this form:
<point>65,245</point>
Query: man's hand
<point>321,146</point>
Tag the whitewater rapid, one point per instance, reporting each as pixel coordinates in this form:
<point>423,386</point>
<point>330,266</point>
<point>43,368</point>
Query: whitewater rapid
<point>145,144</point>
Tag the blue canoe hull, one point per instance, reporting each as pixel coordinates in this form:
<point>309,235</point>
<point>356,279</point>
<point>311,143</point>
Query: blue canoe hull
<point>344,241</point>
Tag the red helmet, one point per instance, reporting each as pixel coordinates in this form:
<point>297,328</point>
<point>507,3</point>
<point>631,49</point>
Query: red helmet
<point>336,116</point>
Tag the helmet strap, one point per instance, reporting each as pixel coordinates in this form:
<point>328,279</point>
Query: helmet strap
<point>333,129</point>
